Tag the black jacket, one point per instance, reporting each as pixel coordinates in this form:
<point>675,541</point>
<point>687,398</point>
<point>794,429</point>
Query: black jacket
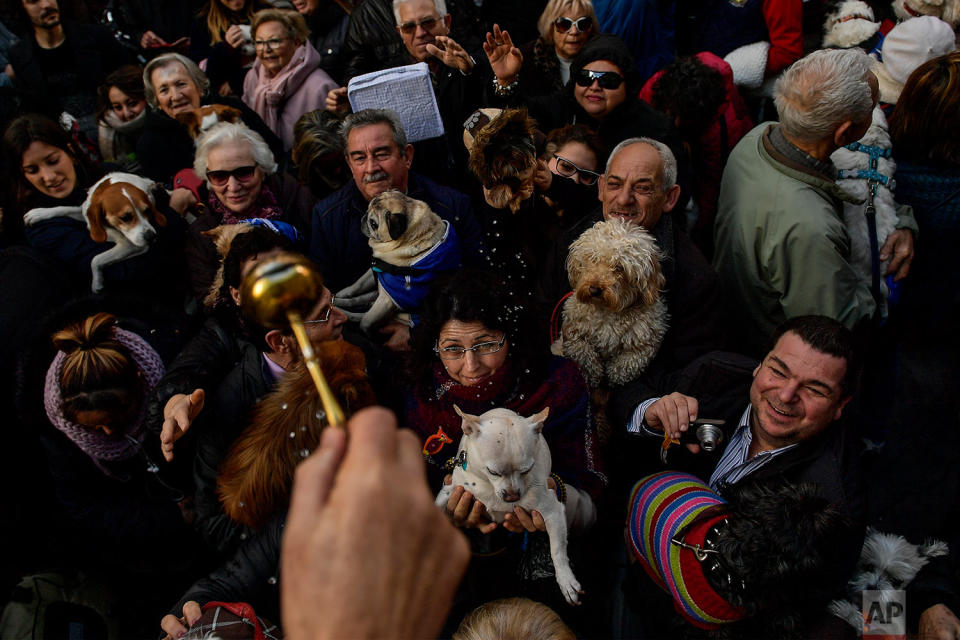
<point>93,48</point>
<point>170,19</point>
<point>372,42</point>
<point>244,386</point>
<point>252,575</point>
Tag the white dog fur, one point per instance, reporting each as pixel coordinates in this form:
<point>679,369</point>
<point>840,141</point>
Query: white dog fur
<point>850,24</point>
<point>110,199</point>
<point>504,461</point>
<point>401,232</point>
<point>615,320</point>
<point>886,208</point>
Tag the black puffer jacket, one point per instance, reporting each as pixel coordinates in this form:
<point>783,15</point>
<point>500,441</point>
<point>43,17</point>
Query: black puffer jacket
<point>252,575</point>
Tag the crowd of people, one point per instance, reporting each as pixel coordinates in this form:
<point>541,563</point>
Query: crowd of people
<point>642,219</point>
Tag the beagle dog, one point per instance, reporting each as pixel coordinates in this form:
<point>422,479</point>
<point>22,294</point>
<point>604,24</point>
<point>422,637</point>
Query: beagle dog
<point>199,120</point>
<point>120,208</point>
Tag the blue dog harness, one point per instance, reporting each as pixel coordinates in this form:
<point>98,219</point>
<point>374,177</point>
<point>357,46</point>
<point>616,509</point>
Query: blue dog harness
<point>407,286</point>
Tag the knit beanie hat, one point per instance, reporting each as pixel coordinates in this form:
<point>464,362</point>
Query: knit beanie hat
<point>661,507</point>
<point>607,47</point>
<point>913,42</point>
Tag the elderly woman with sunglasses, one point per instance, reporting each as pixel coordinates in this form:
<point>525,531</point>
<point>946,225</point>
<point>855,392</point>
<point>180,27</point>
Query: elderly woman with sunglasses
<point>242,183</point>
<point>474,348</point>
<point>565,26</point>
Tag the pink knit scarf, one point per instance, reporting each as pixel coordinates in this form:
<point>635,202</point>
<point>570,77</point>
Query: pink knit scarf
<point>272,91</point>
<point>99,446</point>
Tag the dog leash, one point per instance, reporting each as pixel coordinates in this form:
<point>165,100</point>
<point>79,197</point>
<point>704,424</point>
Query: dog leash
<point>555,318</point>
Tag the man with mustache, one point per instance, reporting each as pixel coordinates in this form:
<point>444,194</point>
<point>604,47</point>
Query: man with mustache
<point>376,150</point>
<point>65,61</point>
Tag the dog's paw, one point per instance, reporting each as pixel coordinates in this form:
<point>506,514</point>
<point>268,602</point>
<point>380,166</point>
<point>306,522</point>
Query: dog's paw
<point>569,586</point>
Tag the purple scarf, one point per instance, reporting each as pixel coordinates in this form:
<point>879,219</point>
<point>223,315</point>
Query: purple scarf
<point>99,446</point>
<point>265,207</point>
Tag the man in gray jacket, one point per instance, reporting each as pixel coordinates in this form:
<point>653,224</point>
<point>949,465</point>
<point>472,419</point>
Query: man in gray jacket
<point>782,249</point>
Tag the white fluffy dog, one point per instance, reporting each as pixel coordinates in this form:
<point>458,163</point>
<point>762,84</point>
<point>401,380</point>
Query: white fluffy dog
<point>852,166</point>
<point>615,320</point>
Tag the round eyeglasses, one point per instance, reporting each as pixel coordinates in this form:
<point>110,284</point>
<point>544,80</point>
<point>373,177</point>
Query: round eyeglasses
<point>480,349</point>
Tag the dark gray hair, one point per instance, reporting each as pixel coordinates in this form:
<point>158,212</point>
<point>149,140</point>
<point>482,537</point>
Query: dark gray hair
<point>368,117</point>
<point>439,5</point>
<point>168,59</point>
<point>225,132</point>
<point>818,93</point>
<point>667,160</point>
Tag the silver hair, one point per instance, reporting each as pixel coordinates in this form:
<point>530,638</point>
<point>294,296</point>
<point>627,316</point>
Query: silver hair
<point>199,77</point>
<point>439,5</point>
<point>226,132</point>
<point>820,92</point>
<point>367,117</point>
<point>667,160</point>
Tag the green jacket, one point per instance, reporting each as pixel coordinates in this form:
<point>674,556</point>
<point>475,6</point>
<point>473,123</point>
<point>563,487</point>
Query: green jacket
<point>782,248</point>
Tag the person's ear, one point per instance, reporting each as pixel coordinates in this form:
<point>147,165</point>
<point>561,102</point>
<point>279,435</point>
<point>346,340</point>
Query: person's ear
<point>842,132</point>
<point>601,186</point>
<point>843,403</point>
<point>408,155</point>
<point>277,341</point>
<point>447,21</point>
<point>235,295</point>
<point>673,194</point>
<point>757,370</point>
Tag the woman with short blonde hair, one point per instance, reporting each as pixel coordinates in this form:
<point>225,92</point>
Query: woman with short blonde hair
<point>565,26</point>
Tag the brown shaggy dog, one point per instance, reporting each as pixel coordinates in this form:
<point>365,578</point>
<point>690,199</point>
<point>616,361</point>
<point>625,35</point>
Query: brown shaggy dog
<point>257,473</point>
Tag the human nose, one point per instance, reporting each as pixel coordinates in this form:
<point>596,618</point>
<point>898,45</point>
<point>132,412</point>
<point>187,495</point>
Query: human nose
<point>49,175</point>
<point>625,195</point>
<point>233,184</point>
<point>337,317</point>
<point>787,393</point>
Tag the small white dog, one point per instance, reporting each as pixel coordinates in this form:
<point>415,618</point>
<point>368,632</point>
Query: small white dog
<point>855,170</point>
<point>120,208</point>
<point>411,246</point>
<point>615,320</point>
<point>504,461</point>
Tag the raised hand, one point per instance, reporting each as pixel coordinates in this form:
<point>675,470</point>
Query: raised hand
<point>505,59</point>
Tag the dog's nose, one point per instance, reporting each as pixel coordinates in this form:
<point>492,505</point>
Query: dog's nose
<point>510,496</point>
<point>596,292</point>
<point>150,235</point>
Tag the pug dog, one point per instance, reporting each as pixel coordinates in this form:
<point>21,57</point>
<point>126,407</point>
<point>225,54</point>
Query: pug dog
<point>411,246</point>
<point>504,461</point>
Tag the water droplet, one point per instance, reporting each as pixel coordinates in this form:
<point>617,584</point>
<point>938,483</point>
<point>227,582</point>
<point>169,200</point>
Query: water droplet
<point>272,580</point>
<point>243,536</point>
<point>304,453</point>
<point>283,407</point>
<point>241,504</point>
<point>293,435</point>
<point>320,415</point>
<point>303,428</point>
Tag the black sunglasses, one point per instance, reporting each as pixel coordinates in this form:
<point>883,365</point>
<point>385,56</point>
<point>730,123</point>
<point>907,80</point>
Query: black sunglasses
<point>220,177</point>
<point>563,24</point>
<point>427,23</point>
<point>607,79</point>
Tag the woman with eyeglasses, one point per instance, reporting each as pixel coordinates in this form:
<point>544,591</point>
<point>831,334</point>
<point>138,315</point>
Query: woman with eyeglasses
<point>241,183</point>
<point>474,348</point>
<point>174,85</point>
<point>565,26</point>
<point>221,40</point>
<point>286,81</point>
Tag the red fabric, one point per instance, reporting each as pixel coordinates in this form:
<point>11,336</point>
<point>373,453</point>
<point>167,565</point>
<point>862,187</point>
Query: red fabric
<point>711,156</point>
<point>784,20</point>
<point>696,582</point>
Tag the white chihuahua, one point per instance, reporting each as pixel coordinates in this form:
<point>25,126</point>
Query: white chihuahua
<point>504,461</point>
